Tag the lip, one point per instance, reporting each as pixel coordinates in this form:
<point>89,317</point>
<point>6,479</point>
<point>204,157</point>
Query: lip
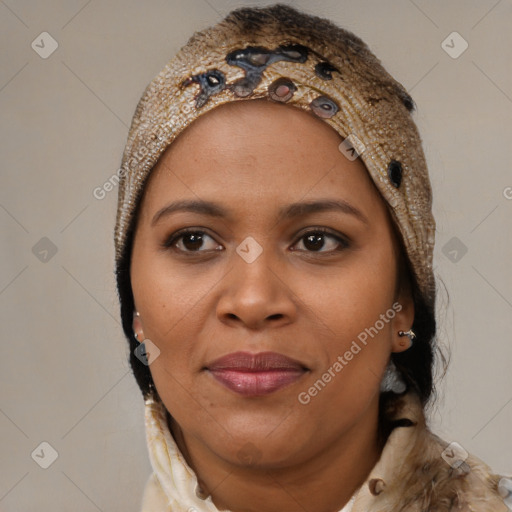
<point>256,374</point>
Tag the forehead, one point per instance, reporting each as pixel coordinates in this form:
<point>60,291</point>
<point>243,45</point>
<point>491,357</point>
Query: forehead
<point>257,151</point>
<point>257,118</point>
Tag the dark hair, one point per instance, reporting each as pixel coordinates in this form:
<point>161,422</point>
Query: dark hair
<point>416,364</point>
<point>127,307</point>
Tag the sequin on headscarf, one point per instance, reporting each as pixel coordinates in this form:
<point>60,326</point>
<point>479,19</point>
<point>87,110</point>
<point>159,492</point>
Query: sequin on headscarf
<point>255,59</point>
<point>211,82</point>
<point>324,70</point>
<point>324,107</point>
<point>395,172</point>
<point>281,89</point>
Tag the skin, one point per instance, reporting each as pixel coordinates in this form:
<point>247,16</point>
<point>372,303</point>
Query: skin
<point>306,301</point>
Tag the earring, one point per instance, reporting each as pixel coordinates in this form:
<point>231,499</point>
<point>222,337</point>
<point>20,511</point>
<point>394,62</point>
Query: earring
<point>392,381</point>
<point>134,333</point>
<point>410,334</point>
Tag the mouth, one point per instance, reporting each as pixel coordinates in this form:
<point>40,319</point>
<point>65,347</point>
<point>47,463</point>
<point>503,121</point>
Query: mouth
<point>256,374</point>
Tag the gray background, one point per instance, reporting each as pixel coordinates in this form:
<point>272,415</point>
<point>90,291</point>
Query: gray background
<point>64,122</point>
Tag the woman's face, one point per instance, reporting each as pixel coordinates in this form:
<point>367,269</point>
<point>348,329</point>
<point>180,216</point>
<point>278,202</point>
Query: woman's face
<point>258,275</point>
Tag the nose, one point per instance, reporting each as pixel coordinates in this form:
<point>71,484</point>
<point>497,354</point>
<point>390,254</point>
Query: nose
<point>257,294</point>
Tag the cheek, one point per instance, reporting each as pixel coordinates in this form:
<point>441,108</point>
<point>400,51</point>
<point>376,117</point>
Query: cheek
<point>166,296</point>
<point>356,305</point>
<point>352,298</point>
<point>357,346</point>
<point>173,306</point>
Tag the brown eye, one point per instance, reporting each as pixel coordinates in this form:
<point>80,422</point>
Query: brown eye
<point>190,240</point>
<point>194,241</point>
<point>314,241</point>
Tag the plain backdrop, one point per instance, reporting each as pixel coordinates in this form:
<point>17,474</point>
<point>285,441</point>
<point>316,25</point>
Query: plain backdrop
<point>64,121</point>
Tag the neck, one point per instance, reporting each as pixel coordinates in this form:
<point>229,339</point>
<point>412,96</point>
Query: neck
<point>324,483</point>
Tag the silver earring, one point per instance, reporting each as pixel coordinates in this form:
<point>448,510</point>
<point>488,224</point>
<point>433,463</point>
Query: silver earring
<point>409,333</point>
<point>134,333</point>
<point>392,381</point>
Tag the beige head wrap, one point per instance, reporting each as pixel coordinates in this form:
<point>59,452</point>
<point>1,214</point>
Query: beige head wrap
<point>279,54</point>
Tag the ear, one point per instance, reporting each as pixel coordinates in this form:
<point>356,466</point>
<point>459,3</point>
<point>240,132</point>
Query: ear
<point>403,321</point>
<point>137,326</point>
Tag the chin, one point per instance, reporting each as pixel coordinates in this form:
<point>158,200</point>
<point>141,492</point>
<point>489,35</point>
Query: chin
<point>266,444</point>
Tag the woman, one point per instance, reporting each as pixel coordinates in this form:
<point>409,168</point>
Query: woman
<point>274,267</point>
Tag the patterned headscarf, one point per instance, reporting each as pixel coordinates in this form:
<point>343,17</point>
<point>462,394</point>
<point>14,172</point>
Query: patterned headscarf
<point>285,56</point>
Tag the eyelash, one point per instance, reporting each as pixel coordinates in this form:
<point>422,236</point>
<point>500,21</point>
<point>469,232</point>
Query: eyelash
<point>170,241</point>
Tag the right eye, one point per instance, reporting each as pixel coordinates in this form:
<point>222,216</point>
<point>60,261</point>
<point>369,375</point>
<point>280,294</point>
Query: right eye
<point>191,241</point>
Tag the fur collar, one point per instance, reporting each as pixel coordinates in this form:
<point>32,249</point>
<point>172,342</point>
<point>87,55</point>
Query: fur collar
<point>417,471</point>
<point>420,472</point>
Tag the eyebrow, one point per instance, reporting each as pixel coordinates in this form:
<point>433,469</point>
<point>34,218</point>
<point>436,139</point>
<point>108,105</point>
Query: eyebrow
<point>285,213</point>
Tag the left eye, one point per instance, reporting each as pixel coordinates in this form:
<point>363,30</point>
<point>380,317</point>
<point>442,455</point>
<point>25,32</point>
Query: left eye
<point>314,240</point>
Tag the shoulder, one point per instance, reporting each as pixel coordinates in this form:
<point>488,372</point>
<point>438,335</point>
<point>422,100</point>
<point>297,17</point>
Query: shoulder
<point>419,471</point>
